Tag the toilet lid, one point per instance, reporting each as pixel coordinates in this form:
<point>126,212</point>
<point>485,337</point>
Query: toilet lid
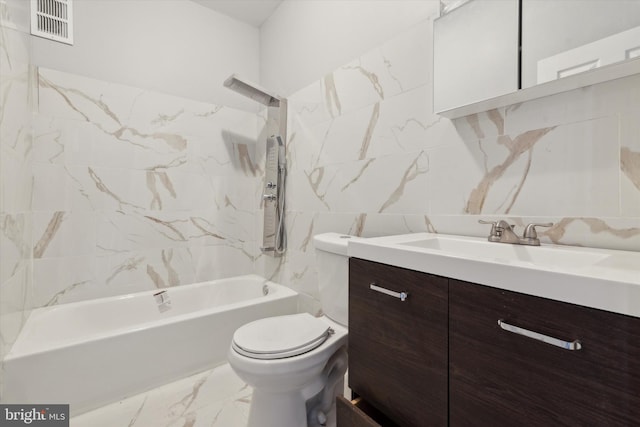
<point>281,336</point>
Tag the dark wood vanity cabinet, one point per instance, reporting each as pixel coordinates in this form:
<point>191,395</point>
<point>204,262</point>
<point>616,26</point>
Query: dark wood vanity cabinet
<point>398,349</point>
<point>441,358</point>
<point>500,378</point>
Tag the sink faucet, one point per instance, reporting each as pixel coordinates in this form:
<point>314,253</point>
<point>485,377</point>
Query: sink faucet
<point>502,232</point>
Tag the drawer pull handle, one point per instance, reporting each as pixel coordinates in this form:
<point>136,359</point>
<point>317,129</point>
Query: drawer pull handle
<point>567,345</point>
<point>401,295</point>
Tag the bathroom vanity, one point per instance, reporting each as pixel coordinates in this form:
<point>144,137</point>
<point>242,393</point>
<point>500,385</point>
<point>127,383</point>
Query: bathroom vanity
<point>441,335</point>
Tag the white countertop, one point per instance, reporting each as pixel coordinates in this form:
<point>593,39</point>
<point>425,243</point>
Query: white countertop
<point>597,278</point>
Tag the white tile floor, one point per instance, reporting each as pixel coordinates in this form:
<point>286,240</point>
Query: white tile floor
<point>214,398</point>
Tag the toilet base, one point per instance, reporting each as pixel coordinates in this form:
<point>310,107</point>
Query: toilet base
<point>277,410</point>
<point>286,409</point>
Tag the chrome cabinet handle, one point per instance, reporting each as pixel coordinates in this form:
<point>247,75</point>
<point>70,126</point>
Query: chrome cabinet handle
<point>567,345</point>
<point>401,295</point>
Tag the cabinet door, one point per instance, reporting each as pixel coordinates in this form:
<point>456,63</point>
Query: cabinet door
<point>398,349</point>
<point>501,378</point>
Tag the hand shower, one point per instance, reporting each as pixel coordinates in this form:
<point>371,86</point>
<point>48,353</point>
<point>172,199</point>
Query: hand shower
<point>274,233</point>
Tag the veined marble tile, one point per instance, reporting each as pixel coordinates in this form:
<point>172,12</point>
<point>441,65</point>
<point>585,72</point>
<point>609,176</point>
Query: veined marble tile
<point>63,233</point>
<point>299,272</point>
<point>570,171</point>
<point>236,194</point>
<point>134,231</point>
<point>67,278</point>
<point>212,398</point>
<point>106,105</point>
<point>217,262</point>
<point>600,100</point>
<point>154,112</point>
<point>127,112</point>
<point>87,188</point>
<point>403,123</point>
<point>76,142</point>
<point>15,305</point>
<point>308,304</point>
<point>226,156</point>
<point>225,226</point>
<point>481,125</point>
<point>15,138</point>
<point>108,108</point>
<point>303,147</point>
<point>62,141</point>
<point>15,289</point>
<point>562,170</point>
<point>15,242</point>
<point>454,171</point>
<point>630,164</point>
<point>399,65</point>
<point>384,184</point>
<point>406,123</point>
<point>307,106</point>
<point>611,233</point>
<point>408,57</point>
<point>52,188</point>
<point>342,139</point>
<point>390,224</point>
<point>148,269</point>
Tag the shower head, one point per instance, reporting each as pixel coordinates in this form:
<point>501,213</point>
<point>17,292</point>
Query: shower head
<point>252,91</point>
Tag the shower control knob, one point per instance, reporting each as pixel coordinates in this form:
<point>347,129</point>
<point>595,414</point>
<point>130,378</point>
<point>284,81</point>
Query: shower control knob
<point>268,197</point>
<point>271,185</point>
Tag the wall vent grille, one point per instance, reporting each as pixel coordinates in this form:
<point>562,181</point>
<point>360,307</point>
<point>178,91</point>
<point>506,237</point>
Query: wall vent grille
<point>52,19</point>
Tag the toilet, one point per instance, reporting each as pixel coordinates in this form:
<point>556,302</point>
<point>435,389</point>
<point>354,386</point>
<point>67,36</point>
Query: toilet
<point>296,363</point>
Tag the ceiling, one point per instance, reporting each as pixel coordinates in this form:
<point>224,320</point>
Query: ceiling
<point>253,12</point>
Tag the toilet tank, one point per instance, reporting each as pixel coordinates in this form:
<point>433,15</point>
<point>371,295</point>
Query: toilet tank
<point>332,264</point>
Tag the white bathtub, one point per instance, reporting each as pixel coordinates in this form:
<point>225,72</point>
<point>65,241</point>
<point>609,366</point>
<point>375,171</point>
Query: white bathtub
<point>91,353</point>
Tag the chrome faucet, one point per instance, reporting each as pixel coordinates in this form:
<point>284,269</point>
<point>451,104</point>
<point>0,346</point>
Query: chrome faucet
<point>502,232</point>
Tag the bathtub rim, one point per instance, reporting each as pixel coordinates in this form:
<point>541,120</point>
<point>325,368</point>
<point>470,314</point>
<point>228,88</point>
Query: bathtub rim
<point>17,351</point>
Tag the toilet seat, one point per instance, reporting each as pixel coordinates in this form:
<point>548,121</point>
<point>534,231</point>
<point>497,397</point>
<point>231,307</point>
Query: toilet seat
<point>280,337</point>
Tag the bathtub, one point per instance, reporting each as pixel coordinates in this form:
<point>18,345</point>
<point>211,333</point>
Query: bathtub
<point>91,353</point>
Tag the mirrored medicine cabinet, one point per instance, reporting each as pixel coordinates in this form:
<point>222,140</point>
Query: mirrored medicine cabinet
<point>493,53</point>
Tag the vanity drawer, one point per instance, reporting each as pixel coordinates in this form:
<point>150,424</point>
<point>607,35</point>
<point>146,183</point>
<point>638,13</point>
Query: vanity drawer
<point>398,349</point>
<point>358,413</point>
<point>501,376</point>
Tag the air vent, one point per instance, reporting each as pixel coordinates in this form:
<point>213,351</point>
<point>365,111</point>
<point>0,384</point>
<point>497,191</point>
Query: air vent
<point>52,19</point>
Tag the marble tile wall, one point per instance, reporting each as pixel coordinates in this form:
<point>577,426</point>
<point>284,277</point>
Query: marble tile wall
<point>135,190</point>
<point>16,88</point>
<point>368,156</point>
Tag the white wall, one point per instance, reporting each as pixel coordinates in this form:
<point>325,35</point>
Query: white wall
<point>176,47</point>
<point>304,40</point>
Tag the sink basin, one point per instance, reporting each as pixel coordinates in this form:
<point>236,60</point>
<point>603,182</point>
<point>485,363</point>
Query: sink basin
<point>599,278</point>
<point>540,255</point>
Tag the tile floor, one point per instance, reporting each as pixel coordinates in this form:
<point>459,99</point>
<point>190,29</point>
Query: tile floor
<point>214,398</point>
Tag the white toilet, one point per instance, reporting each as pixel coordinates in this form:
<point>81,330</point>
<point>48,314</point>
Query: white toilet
<point>296,363</point>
